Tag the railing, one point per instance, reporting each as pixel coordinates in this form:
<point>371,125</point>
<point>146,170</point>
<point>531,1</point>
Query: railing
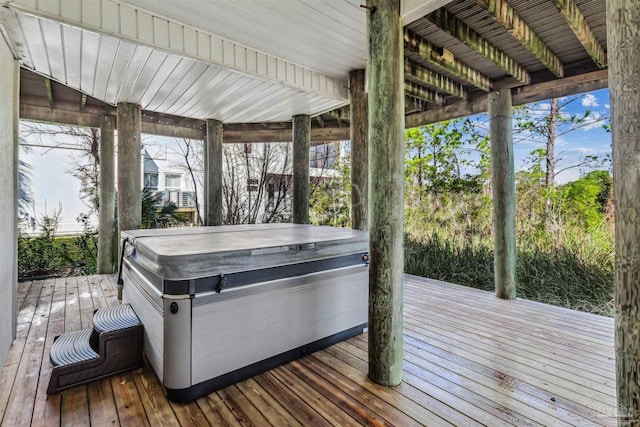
<point>182,199</point>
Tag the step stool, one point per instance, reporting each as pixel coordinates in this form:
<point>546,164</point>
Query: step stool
<point>112,346</point>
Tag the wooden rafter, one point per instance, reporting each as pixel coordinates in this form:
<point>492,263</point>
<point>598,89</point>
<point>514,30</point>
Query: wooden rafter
<point>574,17</point>
<point>412,104</point>
<point>414,43</point>
<point>431,78</point>
<point>458,29</point>
<point>47,83</point>
<point>422,93</point>
<point>504,14</point>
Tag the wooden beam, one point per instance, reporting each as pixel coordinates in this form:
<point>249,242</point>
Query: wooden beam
<point>424,76</point>
<point>458,29</point>
<point>47,84</point>
<point>574,17</point>
<point>433,55</point>
<point>414,105</point>
<point>503,185</point>
<point>624,62</point>
<point>422,93</point>
<point>523,95</point>
<point>386,173</point>
<point>503,13</point>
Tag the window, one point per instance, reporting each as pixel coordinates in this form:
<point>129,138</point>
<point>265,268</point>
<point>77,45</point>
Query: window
<point>151,180</point>
<point>252,184</point>
<point>172,181</point>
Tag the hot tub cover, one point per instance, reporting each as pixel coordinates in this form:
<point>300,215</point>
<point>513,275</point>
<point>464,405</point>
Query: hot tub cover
<point>192,253</point>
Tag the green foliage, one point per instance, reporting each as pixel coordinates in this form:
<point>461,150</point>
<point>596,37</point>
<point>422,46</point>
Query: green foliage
<point>587,199</point>
<point>157,213</point>
<point>330,199</point>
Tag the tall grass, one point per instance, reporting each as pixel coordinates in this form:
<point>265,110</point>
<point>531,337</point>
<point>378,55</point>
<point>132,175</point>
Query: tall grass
<point>571,268</point>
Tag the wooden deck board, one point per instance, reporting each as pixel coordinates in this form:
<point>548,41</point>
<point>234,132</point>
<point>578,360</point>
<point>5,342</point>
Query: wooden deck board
<point>470,359</point>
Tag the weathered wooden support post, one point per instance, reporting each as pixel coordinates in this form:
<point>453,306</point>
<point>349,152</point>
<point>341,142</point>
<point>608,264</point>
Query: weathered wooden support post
<point>623,42</point>
<point>301,142</point>
<point>129,169</point>
<point>386,190</point>
<point>107,194</point>
<point>359,151</point>
<point>213,173</point>
<point>9,108</point>
<point>504,193</point>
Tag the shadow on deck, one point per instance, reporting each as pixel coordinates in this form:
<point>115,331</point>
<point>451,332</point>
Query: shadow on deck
<point>470,359</point>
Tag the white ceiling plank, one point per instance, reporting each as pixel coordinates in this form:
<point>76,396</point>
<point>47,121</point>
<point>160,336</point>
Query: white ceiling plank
<point>121,62</point>
<point>132,74</point>
<point>72,38</point>
<point>160,76</point>
<point>145,77</point>
<point>37,50</point>
<point>90,49</point>
<point>184,90</point>
<point>106,58</point>
<point>52,33</point>
<point>210,79</point>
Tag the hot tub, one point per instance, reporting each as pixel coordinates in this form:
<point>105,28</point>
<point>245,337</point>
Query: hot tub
<point>221,304</point>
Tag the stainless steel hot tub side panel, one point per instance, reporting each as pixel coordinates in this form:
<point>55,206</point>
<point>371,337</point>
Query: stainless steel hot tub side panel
<point>147,303</point>
<point>177,342</point>
<point>246,325</point>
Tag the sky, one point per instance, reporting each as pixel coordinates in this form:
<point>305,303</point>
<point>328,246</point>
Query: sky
<point>53,186</point>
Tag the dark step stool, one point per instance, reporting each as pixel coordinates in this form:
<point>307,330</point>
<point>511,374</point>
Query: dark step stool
<point>112,346</point>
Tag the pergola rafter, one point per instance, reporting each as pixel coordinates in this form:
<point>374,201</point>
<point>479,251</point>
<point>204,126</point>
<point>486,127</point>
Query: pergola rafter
<point>434,56</point>
<point>504,14</point>
<point>422,93</point>
<point>426,77</point>
<point>467,35</point>
<point>575,19</point>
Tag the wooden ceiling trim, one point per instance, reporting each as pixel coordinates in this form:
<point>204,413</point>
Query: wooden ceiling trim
<point>504,14</point>
<point>428,77</point>
<point>575,19</point>
<point>435,56</point>
<point>458,29</point>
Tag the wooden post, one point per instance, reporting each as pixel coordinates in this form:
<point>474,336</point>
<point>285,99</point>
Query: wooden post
<point>504,193</point>
<point>359,151</point>
<point>623,35</point>
<point>386,191</point>
<point>107,196</point>
<point>301,143</point>
<point>129,169</point>
<point>213,173</point>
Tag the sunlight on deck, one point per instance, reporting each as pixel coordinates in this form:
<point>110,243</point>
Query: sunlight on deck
<point>470,359</point>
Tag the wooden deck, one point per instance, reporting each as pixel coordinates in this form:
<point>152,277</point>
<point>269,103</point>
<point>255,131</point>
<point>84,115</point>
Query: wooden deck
<point>470,359</point>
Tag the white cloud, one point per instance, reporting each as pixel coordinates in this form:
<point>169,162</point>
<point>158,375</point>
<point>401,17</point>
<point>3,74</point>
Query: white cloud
<point>607,106</point>
<point>589,100</point>
<point>594,121</point>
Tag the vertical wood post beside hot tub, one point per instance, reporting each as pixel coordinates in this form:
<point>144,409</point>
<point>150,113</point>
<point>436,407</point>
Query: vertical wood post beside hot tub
<point>221,304</point>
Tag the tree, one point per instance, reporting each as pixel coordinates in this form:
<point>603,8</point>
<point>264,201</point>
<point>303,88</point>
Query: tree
<point>190,152</point>
<point>257,183</point>
<point>159,214</point>
<point>538,123</point>
<point>85,142</point>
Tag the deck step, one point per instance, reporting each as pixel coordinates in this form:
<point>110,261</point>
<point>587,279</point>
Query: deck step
<point>72,347</point>
<point>112,346</point>
<point>114,317</point>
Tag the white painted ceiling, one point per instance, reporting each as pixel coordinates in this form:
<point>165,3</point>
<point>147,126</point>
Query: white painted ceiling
<point>114,70</point>
<point>326,35</point>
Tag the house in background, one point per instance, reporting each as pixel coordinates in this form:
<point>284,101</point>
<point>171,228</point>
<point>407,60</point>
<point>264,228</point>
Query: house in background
<point>163,177</point>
